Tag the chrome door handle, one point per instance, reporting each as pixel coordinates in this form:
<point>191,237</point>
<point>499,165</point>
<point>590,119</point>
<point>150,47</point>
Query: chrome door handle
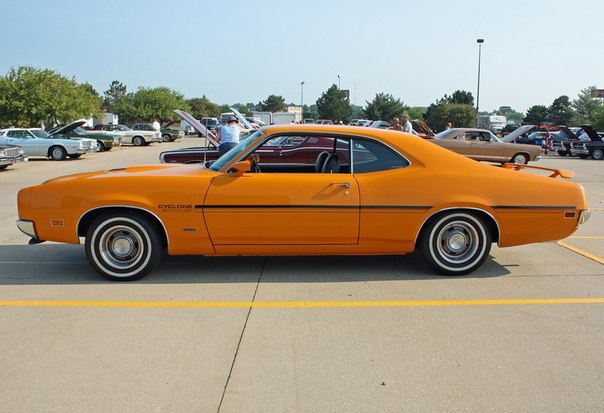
<point>344,184</point>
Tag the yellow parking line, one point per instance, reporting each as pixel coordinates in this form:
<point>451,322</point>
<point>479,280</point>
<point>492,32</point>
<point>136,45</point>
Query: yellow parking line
<point>302,304</point>
<point>581,252</point>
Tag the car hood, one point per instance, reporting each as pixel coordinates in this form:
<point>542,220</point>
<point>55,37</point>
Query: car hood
<point>566,133</point>
<point>518,132</point>
<point>203,131</point>
<point>591,132</point>
<point>69,127</point>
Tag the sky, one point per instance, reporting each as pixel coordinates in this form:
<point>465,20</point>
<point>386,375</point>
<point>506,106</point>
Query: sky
<point>244,51</point>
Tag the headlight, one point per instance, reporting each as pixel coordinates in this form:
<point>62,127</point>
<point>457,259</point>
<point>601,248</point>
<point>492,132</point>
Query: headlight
<point>21,151</point>
<point>81,145</point>
<point>2,152</point>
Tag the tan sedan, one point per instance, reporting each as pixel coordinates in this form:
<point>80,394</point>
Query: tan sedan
<point>482,145</point>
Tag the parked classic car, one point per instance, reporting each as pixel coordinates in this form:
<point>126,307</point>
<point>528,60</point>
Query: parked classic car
<point>94,144</point>
<point>10,154</point>
<point>373,192</point>
<point>482,145</point>
<point>593,147</point>
<point>74,130</point>
<point>132,137</point>
<point>33,145</point>
<point>167,134</point>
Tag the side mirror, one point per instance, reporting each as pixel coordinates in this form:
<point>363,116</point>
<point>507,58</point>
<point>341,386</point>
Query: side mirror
<point>240,168</point>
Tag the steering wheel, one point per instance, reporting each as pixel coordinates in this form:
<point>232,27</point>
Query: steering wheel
<point>255,159</point>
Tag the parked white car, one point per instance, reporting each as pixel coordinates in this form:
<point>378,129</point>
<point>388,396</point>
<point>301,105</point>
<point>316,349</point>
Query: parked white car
<point>33,145</point>
<point>133,137</point>
<point>94,145</point>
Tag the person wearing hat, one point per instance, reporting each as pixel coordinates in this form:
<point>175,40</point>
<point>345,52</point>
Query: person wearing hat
<point>396,125</point>
<point>228,135</point>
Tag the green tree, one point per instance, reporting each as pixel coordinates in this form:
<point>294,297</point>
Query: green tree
<point>113,95</point>
<point>310,111</point>
<point>586,105</point>
<point>202,107</point>
<point>333,104</point>
<point>460,115</point>
<point>462,97</point>
<point>148,103</point>
<point>385,107</point>
<point>535,115</point>
<point>598,118</point>
<point>356,112</point>
<point>273,103</point>
<point>416,112</point>
<point>560,112</point>
<point>29,96</point>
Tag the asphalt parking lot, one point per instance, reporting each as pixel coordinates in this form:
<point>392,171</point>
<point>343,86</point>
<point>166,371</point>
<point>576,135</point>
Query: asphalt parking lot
<point>300,334</point>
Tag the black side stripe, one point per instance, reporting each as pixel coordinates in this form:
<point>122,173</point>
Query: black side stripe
<point>388,207</point>
<point>550,207</point>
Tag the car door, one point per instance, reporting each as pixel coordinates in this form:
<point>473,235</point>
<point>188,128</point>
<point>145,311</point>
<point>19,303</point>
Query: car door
<point>486,149</point>
<point>458,144</point>
<point>31,145</point>
<point>283,208</point>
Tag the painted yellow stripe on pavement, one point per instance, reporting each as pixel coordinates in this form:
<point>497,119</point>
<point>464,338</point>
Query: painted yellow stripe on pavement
<point>302,304</point>
<point>581,252</point>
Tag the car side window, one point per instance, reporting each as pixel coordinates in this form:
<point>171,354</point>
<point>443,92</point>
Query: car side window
<point>369,156</point>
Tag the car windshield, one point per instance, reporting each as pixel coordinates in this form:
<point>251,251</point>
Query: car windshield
<point>123,128</point>
<point>39,133</point>
<point>236,151</point>
<point>80,130</point>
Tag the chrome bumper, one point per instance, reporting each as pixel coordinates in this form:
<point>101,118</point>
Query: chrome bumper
<point>27,227</point>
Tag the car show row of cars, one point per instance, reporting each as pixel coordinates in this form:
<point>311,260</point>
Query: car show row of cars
<point>73,140</point>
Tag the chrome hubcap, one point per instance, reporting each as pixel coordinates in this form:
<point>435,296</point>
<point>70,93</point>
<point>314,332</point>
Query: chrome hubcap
<point>121,248</point>
<point>457,242</point>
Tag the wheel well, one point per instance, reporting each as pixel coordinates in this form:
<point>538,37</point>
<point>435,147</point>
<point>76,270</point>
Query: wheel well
<point>484,216</point>
<point>528,157</point>
<point>90,216</point>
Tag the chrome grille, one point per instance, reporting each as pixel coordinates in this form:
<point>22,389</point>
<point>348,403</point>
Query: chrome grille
<point>11,152</point>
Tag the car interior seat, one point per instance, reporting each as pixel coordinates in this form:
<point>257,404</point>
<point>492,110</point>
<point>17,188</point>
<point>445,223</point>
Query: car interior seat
<point>321,161</point>
<point>331,165</point>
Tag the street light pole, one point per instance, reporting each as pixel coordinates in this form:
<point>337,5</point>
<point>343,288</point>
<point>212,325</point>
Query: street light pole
<point>302,95</point>
<point>480,42</point>
<point>338,82</point>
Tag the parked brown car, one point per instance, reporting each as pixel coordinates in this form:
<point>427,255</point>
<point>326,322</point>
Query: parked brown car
<point>482,145</point>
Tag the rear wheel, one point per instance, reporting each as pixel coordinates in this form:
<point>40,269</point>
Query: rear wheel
<point>166,137</point>
<point>455,243</point>
<point>102,146</point>
<point>138,141</point>
<point>123,246</point>
<point>597,154</point>
<point>520,159</point>
<point>57,153</point>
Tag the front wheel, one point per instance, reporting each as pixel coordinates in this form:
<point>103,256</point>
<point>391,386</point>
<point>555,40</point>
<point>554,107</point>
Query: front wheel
<point>520,159</point>
<point>597,154</point>
<point>138,141</point>
<point>455,243</point>
<point>166,138</point>
<point>102,147</point>
<point>58,153</point>
<point>123,246</point>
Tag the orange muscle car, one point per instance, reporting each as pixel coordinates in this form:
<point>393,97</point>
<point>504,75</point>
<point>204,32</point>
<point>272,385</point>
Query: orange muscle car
<point>372,191</point>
